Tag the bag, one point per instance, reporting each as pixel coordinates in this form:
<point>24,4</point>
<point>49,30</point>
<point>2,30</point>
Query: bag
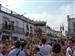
<point>73,50</point>
<point>18,53</point>
<point>40,54</point>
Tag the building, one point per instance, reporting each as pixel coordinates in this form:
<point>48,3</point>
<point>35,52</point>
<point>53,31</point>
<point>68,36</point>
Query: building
<point>52,33</point>
<point>71,25</point>
<point>14,26</point>
<point>40,25</point>
<point>49,31</point>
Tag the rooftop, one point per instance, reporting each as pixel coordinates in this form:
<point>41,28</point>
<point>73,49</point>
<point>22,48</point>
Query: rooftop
<point>71,16</point>
<point>8,11</point>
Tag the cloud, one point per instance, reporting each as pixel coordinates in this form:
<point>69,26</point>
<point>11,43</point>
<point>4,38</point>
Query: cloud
<point>54,21</point>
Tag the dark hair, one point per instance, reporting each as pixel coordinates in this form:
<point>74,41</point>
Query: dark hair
<point>56,48</point>
<point>44,40</point>
<point>70,39</point>
<point>37,48</point>
<point>17,44</point>
<point>23,44</point>
<point>62,42</point>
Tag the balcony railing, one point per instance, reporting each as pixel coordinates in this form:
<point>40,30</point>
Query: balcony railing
<point>2,8</point>
<point>11,29</point>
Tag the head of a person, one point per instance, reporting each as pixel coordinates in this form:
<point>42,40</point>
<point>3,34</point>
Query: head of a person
<point>56,48</point>
<point>4,48</point>
<point>17,44</point>
<point>70,42</point>
<point>44,40</point>
<point>24,44</point>
<point>37,49</point>
<point>0,48</point>
<point>62,43</point>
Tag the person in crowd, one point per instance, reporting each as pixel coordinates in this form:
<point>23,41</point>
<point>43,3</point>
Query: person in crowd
<point>17,50</point>
<point>73,50</point>
<point>32,51</point>
<point>70,49</point>
<point>1,51</point>
<point>35,42</point>
<point>56,50</point>
<point>63,47</point>
<point>37,52</point>
<point>24,46</point>
<point>4,51</point>
<point>45,49</point>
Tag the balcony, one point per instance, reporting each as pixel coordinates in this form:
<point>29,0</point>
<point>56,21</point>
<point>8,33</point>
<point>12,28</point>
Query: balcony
<point>2,8</point>
<point>11,29</point>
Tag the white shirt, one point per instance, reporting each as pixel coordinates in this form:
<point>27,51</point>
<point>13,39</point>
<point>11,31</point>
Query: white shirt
<point>68,51</point>
<point>45,50</point>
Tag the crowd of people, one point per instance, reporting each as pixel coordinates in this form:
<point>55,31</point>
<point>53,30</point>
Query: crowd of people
<point>43,47</point>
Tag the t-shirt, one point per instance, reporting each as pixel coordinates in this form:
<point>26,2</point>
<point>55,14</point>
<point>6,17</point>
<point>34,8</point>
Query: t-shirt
<point>73,51</point>
<point>68,51</point>
<point>15,51</point>
<point>45,50</point>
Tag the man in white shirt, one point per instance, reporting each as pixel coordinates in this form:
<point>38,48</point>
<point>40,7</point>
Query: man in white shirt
<point>70,50</point>
<point>45,49</point>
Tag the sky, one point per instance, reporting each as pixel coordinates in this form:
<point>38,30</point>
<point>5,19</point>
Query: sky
<point>54,12</point>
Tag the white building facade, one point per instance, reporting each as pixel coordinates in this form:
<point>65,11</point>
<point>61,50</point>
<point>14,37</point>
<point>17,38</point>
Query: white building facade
<point>14,26</point>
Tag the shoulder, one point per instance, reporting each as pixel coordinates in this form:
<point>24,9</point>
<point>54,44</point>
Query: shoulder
<point>68,48</point>
<point>12,51</point>
<point>1,54</point>
<point>22,53</point>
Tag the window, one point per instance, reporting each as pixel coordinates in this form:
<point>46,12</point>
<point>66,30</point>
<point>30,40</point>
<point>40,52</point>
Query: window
<point>4,37</point>
<point>6,22</point>
<point>30,28</point>
<point>12,25</point>
<point>73,24</point>
<point>27,27</point>
<point>74,30</point>
<point>14,38</point>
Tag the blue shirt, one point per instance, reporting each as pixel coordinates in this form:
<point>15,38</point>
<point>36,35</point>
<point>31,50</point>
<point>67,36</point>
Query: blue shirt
<point>45,50</point>
<point>15,51</point>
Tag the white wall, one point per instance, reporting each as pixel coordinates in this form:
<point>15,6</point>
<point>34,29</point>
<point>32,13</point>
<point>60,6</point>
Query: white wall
<point>20,22</point>
<point>11,18</point>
